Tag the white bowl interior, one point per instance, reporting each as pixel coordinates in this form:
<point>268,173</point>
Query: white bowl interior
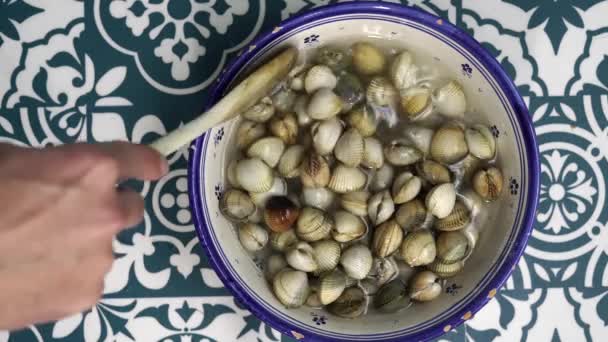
<point>496,222</point>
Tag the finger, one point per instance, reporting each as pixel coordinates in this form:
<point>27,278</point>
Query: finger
<point>13,159</point>
<point>6,148</point>
<point>135,160</point>
<point>132,208</point>
<point>67,163</point>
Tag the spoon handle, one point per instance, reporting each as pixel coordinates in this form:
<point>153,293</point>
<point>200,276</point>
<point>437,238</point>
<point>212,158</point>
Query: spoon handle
<point>183,135</point>
<point>243,96</point>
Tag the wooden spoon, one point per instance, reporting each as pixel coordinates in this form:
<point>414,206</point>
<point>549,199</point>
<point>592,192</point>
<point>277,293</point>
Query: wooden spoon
<point>244,95</point>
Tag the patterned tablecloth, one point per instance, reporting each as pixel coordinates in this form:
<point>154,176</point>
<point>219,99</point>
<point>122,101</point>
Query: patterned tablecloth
<point>101,70</point>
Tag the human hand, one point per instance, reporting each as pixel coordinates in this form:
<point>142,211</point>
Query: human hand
<point>60,212</point>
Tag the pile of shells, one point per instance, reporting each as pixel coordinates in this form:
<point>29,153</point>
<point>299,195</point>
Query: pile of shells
<point>348,219</point>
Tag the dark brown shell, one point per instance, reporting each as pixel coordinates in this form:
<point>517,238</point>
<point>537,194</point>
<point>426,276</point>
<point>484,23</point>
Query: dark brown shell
<point>280,213</point>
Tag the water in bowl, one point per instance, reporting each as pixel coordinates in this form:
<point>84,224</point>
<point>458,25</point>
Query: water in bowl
<point>392,126</point>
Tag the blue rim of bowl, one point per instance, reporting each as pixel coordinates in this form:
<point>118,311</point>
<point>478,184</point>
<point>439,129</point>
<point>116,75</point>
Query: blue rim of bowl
<point>463,40</point>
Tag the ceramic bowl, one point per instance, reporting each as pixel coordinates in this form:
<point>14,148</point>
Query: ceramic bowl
<point>505,225</point>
